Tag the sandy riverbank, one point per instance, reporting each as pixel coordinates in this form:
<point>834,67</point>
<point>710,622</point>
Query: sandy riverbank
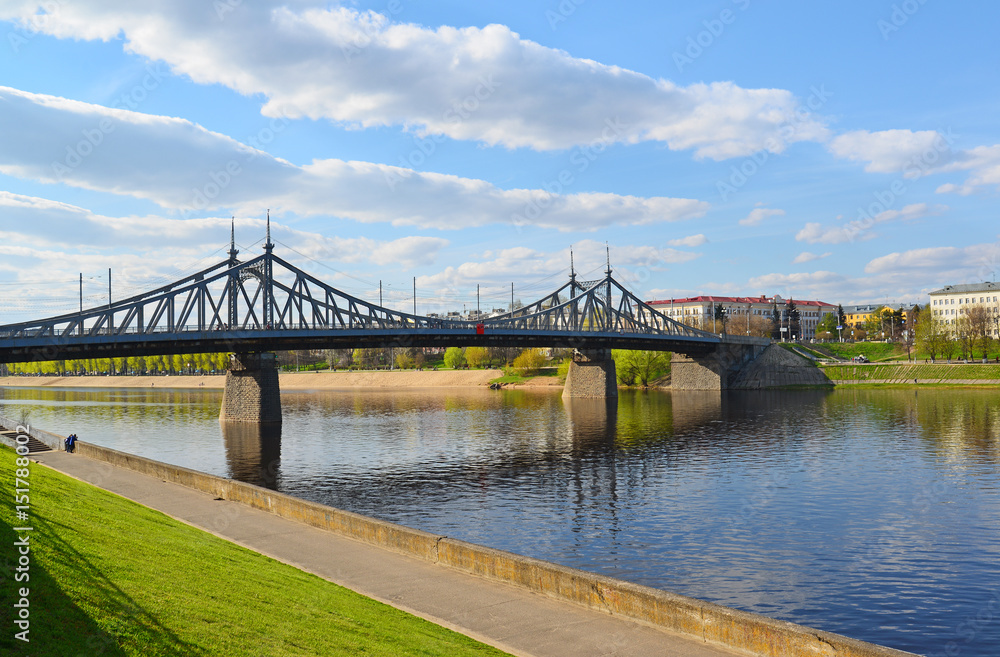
<point>287,380</point>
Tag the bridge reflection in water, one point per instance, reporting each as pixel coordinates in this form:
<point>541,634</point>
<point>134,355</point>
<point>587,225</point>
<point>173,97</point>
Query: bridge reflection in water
<point>253,452</point>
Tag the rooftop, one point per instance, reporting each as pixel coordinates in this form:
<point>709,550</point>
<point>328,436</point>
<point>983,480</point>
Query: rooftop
<point>967,288</point>
<point>740,300</point>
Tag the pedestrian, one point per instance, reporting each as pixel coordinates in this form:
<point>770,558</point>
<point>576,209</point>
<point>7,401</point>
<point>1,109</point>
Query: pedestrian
<point>71,443</point>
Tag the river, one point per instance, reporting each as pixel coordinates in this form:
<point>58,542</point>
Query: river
<point>870,513</point>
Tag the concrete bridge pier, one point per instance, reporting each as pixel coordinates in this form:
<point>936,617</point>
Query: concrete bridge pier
<point>591,374</point>
<point>252,393</point>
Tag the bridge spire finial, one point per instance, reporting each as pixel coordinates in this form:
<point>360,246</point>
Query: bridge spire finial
<point>608,248</point>
<point>267,244</point>
<point>572,269</point>
<point>232,243</point>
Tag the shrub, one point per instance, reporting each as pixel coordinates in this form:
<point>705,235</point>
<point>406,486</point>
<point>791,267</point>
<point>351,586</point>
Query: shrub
<point>529,362</point>
<point>476,356</point>
<point>454,358</point>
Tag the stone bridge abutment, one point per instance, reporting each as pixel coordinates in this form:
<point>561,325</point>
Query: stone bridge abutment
<point>717,370</point>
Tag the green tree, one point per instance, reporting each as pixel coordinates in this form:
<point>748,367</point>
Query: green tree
<point>454,357</point>
<point>720,316</point>
<point>503,354</point>
<point>908,336</point>
<point>980,319</point>
<point>368,358</point>
<point>625,366</point>
<point>476,356</point>
<point>828,325</point>
<point>875,324</point>
<point>930,336</point>
<point>528,363</point>
<point>639,367</point>
<point>896,323</point>
<point>792,313</point>
<point>775,321</point>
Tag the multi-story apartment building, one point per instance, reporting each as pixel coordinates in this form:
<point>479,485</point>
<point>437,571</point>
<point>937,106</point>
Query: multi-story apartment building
<point>699,311</point>
<point>856,316</point>
<point>953,301</point>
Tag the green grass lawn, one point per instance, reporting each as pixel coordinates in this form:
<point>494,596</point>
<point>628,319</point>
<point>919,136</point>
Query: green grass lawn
<point>111,577</point>
<point>904,373</point>
<point>874,351</point>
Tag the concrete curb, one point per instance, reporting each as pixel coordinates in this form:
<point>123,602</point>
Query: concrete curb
<point>751,634</point>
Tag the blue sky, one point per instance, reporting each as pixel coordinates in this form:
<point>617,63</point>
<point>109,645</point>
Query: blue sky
<point>844,151</point>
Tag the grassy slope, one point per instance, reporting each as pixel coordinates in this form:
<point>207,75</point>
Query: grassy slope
<point>111,577</point>
<point>874,351</point>
<point>904,373</point>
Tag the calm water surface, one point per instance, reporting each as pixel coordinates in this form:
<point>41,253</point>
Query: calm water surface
<point>870,513</point>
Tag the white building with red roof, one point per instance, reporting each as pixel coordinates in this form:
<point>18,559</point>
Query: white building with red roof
<point>700,311</point>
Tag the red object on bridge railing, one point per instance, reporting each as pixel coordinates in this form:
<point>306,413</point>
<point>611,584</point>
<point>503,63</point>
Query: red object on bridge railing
<point>480,329</point>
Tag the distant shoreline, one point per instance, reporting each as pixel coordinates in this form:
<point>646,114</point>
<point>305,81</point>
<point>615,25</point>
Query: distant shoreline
<point>320,380</point>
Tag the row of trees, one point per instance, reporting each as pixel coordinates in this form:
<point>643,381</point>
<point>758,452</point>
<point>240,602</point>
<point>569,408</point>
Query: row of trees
<point>171,364</point>
<point>972,335</point>
<point>633,367</point>
<point>743,322</point>
<point>415,358</point>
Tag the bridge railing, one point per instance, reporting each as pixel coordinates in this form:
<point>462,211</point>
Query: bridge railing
<point>633,329</point>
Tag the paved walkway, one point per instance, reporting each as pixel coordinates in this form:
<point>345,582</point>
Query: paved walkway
<point>517,621</point>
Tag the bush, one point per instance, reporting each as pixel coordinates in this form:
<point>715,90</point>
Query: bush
<point>476,356</point>
<point>635,367</point>
<point>529,362</point>
<point>454,358</point>
<point>563,371</point>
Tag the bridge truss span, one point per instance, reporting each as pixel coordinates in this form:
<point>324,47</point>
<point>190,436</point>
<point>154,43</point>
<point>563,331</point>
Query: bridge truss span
<point>266,303</point>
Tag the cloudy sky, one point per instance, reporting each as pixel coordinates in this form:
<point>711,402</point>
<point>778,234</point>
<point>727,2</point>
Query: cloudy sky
<point>844,151</point>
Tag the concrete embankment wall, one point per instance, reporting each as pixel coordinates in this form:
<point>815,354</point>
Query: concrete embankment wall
<point>55,441</point>
<point>747,633</point>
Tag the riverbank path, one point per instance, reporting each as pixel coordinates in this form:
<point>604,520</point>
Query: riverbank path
<point>516,621</point>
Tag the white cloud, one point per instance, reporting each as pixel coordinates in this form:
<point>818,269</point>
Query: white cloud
<point>860,229</point>
<point>184,167</point>
<point>895,151</point>
<point>894,276</point>
<point>806,256</point>
<point>630,265</point>
<point>759,214</point>
<point>974,263</point>
<point>691,241</point>
<point>916,154</point>
<point>983,162</point>
<point>61,240</point>
<point>483,84</point>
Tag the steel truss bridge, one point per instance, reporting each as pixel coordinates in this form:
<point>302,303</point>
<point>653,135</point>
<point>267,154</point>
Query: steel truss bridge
<point>268,304</point>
